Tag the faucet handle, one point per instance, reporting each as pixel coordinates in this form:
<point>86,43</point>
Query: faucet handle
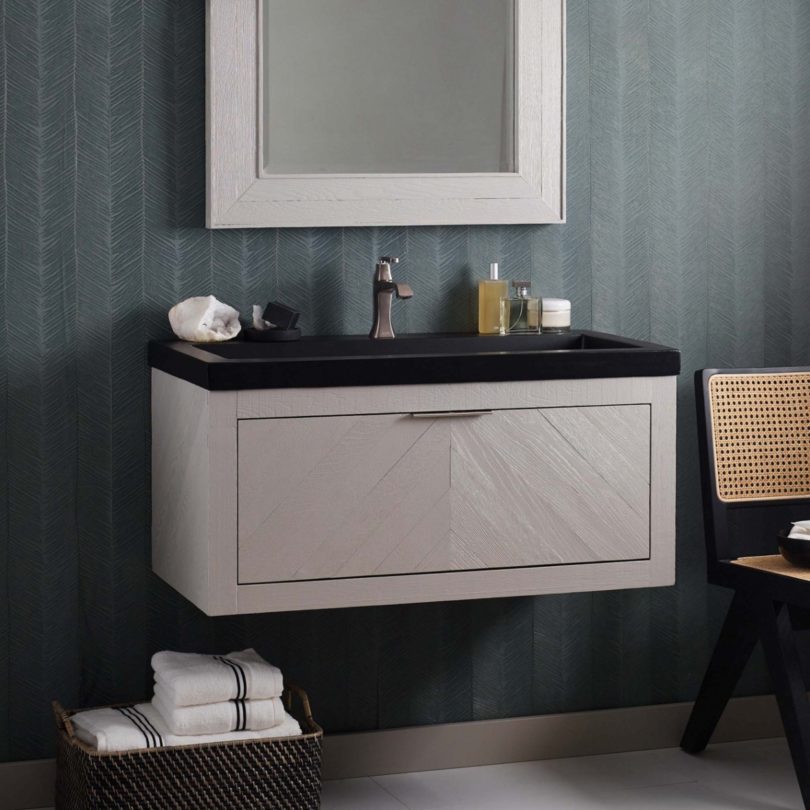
<point>389,260</point>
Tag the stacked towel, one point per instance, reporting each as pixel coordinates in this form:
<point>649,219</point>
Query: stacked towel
<point>141,726</point>
<point>214,718</point>
<point>198,699</point>
<point>216,694</point>
<point>189,679</point>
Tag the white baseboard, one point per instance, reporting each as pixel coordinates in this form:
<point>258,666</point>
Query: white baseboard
<point>26,785</point>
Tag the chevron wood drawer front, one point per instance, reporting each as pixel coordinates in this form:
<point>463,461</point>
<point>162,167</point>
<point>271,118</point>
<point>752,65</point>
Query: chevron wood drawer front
<point>296,499</point>
<point>381,494</point>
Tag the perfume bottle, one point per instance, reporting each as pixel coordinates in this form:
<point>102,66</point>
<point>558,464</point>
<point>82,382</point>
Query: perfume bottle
<point>520,314</point>
<point>490,292</point>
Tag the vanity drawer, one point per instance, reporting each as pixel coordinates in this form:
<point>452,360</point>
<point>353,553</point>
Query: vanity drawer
<point>332,497</point>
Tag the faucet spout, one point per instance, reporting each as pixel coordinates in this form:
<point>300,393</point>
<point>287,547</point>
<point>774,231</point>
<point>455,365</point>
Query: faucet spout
<point>403,291</point>
<point>384,290</point>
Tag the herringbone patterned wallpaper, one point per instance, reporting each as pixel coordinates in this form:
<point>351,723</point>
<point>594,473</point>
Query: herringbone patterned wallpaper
<point>688,223</point>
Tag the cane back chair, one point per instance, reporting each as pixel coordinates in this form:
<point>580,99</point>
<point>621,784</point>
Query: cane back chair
<point>754,439</point>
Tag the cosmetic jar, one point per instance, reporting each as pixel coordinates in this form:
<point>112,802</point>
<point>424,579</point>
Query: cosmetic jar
<point>556,315</point>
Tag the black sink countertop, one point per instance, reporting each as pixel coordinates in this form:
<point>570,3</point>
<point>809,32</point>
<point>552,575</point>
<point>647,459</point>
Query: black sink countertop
<point>411,359</point>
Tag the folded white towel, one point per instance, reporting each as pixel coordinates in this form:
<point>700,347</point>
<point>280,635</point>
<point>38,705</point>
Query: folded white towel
<point>141,726</point>
<point>218,718</point>
<point>189,679</point>
<point>801,529</point>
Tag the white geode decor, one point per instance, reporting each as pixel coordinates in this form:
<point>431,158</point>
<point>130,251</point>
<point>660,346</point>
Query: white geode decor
<point>204,319</point>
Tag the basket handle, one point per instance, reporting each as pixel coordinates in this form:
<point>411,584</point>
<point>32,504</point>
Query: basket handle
<point>291,689</point>
<point>62,719</point>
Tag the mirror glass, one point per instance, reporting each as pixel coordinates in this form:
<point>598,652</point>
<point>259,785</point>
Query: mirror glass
<point>388,86</point>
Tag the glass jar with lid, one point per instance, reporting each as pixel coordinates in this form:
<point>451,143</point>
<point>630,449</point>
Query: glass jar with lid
<point>556,317</point>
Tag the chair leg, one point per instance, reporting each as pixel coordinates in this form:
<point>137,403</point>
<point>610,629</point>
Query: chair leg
<point>731,653</point>
<point>776,631</point>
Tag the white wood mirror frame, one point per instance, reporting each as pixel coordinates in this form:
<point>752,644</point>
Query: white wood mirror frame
<point>240,195</point>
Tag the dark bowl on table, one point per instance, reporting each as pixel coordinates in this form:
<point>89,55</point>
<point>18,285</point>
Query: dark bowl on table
<point>796,550</point>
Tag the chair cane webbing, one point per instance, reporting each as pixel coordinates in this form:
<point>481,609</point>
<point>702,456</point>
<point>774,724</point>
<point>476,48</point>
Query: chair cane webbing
<point>761,436</point>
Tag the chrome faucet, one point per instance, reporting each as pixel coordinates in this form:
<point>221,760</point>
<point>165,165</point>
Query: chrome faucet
<point>384,289</point>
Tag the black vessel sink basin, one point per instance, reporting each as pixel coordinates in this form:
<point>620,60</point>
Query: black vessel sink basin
<point>411,359</point>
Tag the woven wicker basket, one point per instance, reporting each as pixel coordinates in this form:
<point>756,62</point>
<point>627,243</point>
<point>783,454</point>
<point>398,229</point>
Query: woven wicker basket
<point>274,774</point>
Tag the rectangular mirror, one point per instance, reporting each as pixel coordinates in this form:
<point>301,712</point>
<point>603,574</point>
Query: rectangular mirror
<point>389,87</point>
<point>385,112</point>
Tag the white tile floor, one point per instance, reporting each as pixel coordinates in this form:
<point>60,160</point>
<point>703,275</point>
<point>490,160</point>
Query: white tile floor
<point>738,776</point>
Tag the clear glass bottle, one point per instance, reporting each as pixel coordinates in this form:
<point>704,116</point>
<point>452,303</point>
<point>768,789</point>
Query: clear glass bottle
<point>520,314</point>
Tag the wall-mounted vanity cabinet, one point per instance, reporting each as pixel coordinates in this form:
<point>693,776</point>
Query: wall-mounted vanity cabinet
<point>478,474</point>
<point>424,112</point>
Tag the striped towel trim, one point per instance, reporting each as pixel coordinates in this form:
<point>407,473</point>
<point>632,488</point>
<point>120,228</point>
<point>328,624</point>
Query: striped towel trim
<point>241,690</point>
<point>151,735</point>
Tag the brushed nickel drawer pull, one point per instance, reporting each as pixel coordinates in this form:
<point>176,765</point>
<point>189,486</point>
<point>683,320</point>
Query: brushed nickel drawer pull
<point>448,414</point>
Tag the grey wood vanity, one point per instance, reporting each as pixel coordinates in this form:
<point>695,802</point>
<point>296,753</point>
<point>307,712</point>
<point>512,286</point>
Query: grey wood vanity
<point>344,472</point>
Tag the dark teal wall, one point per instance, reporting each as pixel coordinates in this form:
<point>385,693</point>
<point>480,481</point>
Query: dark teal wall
<point>688,223</point>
